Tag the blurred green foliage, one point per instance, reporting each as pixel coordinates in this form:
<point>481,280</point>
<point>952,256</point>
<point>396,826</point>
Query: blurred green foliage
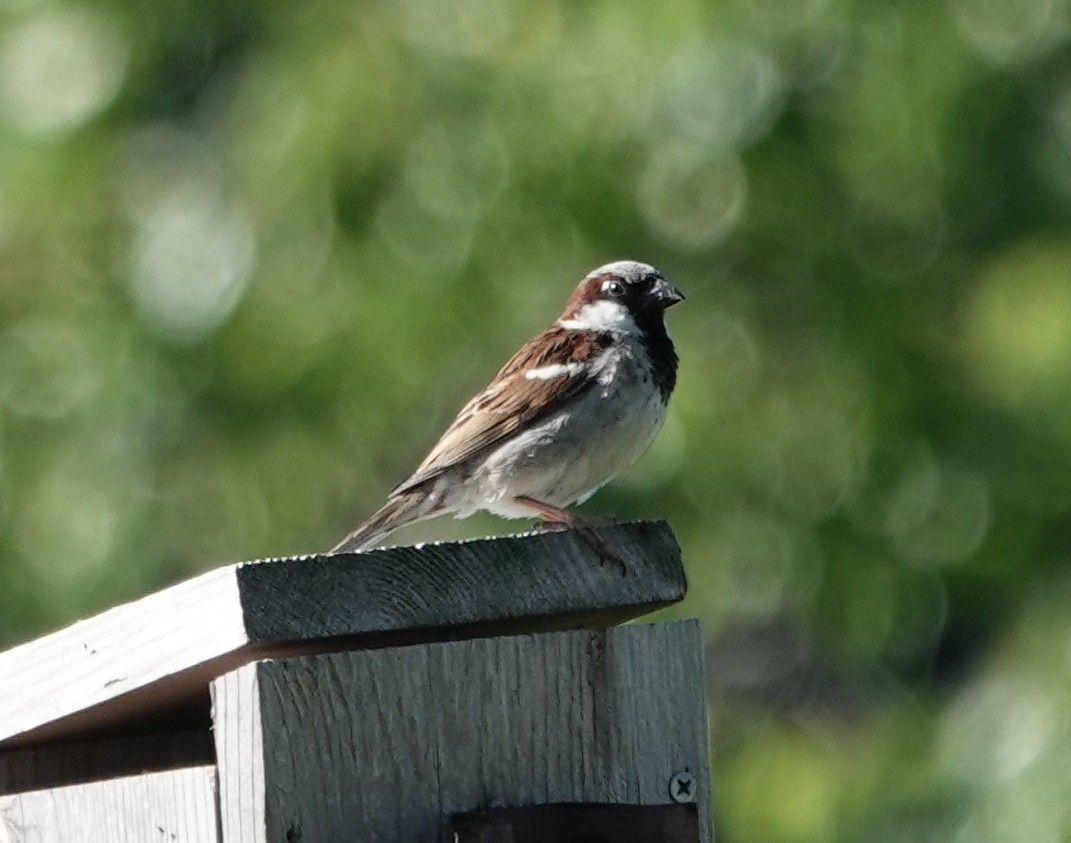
<point>253,256</point>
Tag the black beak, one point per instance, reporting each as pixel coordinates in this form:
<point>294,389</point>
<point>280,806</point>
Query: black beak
<point>663,294</point>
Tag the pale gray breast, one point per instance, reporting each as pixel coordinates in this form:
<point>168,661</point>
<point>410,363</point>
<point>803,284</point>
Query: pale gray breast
<point>575,451</point>
<point>616,424</point>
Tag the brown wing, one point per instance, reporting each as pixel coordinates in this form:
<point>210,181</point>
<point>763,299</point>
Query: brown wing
<point>512,401</point>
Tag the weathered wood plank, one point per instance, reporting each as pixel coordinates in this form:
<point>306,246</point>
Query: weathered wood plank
<point>121,663</point>
<point>243,782</point>
<point>506,585</point>
<point>387,745</point>
<point>179,805</point>
<point>154,658</point>
<point>60,764</point>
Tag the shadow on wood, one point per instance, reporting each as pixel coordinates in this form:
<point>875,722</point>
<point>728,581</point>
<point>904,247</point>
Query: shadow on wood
<point>578,823</point>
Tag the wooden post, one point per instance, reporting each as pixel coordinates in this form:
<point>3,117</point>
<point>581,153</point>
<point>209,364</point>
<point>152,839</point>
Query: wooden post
<point>394,695</point>
<point>389,744</point>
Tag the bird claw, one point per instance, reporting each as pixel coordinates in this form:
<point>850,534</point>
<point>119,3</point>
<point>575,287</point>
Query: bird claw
<point>555,518</point>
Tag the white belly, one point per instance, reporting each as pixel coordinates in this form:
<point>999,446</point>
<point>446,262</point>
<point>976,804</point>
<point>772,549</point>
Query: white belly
<point>574,452</point>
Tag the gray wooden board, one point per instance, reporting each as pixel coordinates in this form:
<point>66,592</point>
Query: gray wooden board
<point>387,745</point>
<point>178,806</point>
<point>154,657</point>
<point>48,766</point>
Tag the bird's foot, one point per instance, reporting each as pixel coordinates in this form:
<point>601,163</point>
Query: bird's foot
<point>555,519</point>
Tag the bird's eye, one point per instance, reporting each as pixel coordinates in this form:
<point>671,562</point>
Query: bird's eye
<point>613,288</point>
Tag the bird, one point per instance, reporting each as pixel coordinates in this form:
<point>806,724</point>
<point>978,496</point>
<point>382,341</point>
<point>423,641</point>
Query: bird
<point>577,404</point>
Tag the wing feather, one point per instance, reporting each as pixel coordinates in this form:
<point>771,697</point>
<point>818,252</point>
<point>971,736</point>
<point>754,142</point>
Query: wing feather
<point>512,401</point>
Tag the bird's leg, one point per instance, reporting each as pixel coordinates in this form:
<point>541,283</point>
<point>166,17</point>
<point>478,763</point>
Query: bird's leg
<point>555,516</point>
<point>552,515</point>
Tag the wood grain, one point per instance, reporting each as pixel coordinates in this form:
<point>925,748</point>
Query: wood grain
<point>389,744</point>
<point>120,663</point>
<point>145,666</point>
<point>173,807</point>
<point>241,781</point>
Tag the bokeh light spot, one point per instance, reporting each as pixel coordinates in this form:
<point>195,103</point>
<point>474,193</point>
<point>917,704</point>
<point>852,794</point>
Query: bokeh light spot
<point>996,729</point>
<point>458,169</point>
<point>932,512</point>
<point>784,17</point>
<point>1018,325</point>
<point>725,93</point>
<point>461,27</point>
<point>422,238</point>
<point>60,68</point>
<point>46,368</point>
<point>690,198</point>
<point>955,525</point>
<point>726,363</point>
<point>754,554</point>
<point>1006,31</point>
<point>805,775</point>
<point>67,524</point>
<point>191,259</point>
<point>816,464</point>
<point>914,493</point>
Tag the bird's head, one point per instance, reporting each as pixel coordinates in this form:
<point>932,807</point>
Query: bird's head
<point>624,296</point>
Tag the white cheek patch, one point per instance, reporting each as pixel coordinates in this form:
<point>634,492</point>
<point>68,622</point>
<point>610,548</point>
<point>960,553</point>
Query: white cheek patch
<point>601,316</point>
<point>556,370</point>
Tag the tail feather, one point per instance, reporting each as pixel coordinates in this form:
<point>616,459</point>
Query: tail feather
<point>394,514</point>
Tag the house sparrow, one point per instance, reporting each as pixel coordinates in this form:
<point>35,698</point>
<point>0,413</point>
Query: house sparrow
<point>574,406</point>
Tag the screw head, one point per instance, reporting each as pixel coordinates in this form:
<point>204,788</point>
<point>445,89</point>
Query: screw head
<point>682,788</point>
